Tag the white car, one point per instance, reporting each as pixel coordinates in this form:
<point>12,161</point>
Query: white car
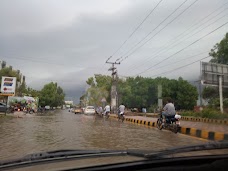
<point>89,110</point>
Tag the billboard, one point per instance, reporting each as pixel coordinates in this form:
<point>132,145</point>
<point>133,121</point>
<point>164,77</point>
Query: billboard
<point>8,86</point>
<point>211,73</point>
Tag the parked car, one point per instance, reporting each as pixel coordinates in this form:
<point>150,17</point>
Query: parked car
<point>77,110</point>
<point>89,110</point>
<point>3,107</point>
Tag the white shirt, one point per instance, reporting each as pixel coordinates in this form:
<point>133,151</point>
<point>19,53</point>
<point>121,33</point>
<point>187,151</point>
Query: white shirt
<point>170,109</point>
<point>107,108</point>
<point>121,108</point>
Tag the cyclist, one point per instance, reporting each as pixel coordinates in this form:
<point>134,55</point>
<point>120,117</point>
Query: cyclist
<point>169,110</point>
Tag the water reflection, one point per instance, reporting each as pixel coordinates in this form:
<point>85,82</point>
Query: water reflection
<point>64,130</point>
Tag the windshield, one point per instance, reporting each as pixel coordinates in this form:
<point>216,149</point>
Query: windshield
<point>159,66</point>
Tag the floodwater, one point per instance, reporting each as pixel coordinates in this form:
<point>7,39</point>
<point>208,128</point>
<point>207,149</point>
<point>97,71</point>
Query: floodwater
<point>65,130</point>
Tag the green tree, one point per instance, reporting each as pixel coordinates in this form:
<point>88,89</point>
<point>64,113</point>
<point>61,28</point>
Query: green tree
<point>100,86</point>
<point>186,95</point>
<point>90,81</point>
<point>22,89</point>
<point>209,93</point>
<point>9,73</point>
<point>95,95</point>
<point>219,52</point>
<point>52,95</point>
<point>142,92</point>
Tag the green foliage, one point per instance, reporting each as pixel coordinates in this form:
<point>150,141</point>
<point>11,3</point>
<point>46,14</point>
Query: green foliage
<point>186,95</point>
<point>206,113</point>
<point>90,81</point>
<point>219,52</point>
<point>95,95</point>
<point>209,93</point>
<point>51,95</point>
<point>215,103</point>
<point>138,92</point>
<point>9,73</point>
<point>100,86</point>
<point>141,92</point>
<point>152,108</point>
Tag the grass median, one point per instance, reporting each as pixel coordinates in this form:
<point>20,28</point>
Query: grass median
<point>205,113</point>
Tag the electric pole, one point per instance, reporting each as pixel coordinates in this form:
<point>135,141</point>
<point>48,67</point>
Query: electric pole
<point>114,86</point>
<point>200,92</point>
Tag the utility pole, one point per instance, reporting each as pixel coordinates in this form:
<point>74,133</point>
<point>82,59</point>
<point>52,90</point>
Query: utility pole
<point>200,92</point>
<point>220,93</point>
<point>114,85</point>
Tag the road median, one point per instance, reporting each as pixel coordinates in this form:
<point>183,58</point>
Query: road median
<point>208,131</point>
<point>184,118</point>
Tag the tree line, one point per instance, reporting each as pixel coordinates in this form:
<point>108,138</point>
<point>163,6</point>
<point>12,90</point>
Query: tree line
<point>51,94</point>
<point>141,92</point>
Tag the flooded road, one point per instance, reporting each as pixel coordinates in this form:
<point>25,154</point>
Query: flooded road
<point>65,130</point>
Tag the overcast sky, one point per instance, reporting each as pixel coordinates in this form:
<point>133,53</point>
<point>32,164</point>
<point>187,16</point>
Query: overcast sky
<point>67,41</point>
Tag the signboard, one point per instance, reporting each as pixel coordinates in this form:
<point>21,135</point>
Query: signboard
<point>8,86</point>
<point>211,73</point>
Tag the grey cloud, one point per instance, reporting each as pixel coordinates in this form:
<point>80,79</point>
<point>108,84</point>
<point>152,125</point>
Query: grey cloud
<point>70,40</point>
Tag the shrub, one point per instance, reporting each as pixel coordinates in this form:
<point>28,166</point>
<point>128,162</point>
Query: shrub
<point>151,108</point>
<point>206,113</point>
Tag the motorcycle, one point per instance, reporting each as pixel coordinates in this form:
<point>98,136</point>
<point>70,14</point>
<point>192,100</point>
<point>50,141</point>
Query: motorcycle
<point>121,116</point>
<point>171,123</point>
<point>106,114</point>
<point>10,110</point>
<point>29,111</point>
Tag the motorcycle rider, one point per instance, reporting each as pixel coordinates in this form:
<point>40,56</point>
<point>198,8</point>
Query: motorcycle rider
<point>100,110</point>
<point>121,109</point>
<point>169,110</point>
<point>107,109</point>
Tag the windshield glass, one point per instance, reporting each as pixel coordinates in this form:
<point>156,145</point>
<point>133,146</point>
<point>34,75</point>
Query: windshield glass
<point>112,75</point>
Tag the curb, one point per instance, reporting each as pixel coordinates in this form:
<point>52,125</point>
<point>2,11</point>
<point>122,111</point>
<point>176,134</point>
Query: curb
<point>218,121</point>
<point>187,118</point>
<point>209,135</point>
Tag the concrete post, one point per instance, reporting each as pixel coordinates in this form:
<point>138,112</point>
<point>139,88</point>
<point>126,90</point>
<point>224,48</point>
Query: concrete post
<point>220,93</point>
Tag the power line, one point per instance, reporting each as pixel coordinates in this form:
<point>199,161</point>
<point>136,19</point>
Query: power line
<point>183,48</point>
<point>122,58</point>
<point>179,67</point>
<point>164,48</point>
<point>181,60</point>
<point>196,55</point>
<point>134,31</point>
<point>44,62</point>
<point>160,30</point>
<point>186,38</point>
